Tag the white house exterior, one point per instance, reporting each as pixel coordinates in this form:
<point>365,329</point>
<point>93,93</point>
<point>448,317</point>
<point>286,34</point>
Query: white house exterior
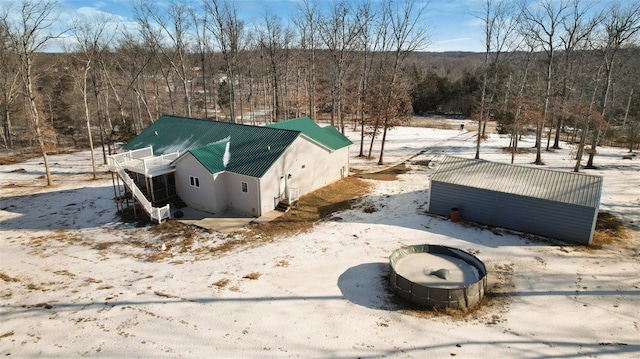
<point>247,169</point>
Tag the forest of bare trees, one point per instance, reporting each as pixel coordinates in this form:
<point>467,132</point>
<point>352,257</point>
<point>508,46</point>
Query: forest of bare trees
<point>550,67</point>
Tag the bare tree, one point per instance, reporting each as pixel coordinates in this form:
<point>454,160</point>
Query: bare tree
<point>339,31</point>
<point>275,40</point>
<point>369,41</point>
<point>92,39</point>
<point>228,30</point>
<point>174,27</point>
<point>153,41</point>
<point>500,24</point>
<point>621,26</point>
<point>590,115</point>
<point>9,81</point>
<point>577,28</point>
<point>630,123</point>
<point>29,33</point>
<point>543,22</point>
<point>406,35</point>
<point>202,48</point>
<point>309,40</point>
<point>519,99</point>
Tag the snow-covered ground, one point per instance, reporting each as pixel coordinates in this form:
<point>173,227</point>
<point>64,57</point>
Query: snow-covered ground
<point>77,282</point>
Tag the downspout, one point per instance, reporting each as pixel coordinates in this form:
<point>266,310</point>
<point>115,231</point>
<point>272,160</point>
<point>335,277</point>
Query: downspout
<point>259,214</point>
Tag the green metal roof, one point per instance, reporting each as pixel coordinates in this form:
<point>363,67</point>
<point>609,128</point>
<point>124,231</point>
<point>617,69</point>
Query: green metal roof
<point>212,156</point>
<point>327,136</point>
<point>252,149</point>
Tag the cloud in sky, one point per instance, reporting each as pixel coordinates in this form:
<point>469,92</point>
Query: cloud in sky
<point>451,23</point>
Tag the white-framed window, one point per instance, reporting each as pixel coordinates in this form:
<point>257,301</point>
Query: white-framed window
<point>245,187</point>
<point>194,181</point>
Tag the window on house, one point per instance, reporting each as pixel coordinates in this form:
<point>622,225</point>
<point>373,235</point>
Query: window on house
<point>194,181</point>
<point>245,187</point>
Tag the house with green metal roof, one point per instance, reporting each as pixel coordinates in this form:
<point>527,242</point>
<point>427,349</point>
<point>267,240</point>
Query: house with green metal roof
<point>219,166</point>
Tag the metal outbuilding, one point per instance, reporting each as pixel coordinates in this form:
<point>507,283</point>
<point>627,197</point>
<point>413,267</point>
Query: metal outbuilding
<point>562,205</point>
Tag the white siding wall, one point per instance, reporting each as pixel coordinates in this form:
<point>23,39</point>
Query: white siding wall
<point>211,196</point>
<point>311,167</point>
<point>244,202</point>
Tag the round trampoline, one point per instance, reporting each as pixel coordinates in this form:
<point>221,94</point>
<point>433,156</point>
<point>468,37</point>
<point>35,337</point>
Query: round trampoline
<point>437,276</point>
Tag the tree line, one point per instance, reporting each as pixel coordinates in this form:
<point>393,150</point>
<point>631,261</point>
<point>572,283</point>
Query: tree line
<point>550,67</point>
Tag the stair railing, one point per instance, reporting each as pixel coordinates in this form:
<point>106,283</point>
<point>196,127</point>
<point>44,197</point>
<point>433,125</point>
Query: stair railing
<point>155,213</point>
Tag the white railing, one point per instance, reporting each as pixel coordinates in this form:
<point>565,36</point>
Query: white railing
<point>293,195</point>
<point>155,213</point>
<point>158,161</point>
<point>141,160</point>
<point>121,159</point>
<point>290,194</point>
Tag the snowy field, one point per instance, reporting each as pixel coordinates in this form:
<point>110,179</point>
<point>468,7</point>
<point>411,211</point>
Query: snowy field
<point>75,282</point>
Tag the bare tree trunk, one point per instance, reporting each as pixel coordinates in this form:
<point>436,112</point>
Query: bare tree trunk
<point>28,35</point>
<point>88,118</point>
<point>583,136</point>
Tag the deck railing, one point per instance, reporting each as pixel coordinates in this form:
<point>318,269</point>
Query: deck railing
<point>141,160</point>
<point>155,213</point>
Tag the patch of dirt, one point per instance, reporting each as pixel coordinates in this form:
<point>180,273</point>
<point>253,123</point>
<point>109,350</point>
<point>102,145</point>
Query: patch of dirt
<point>8,278</point>
<point>519,150</point>
<point>609,230</point>
<point>312,207</point>
<point>389,174</point>
<point>12,158</point>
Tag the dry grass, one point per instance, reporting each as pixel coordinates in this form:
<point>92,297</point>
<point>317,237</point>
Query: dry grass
<point>32,286</point>
<point>104,245</point>
<point>8,278</point>
<point>172,229</point>
<point>16,158</point>
<point>252,276</point>
<point>163,294</point>
<point>156,256</point>
<point>609,230</point>
<point>489,310</point>
<point>178,237</point>
<point>222,283</point>
<point>519,150</point>
<point>388,174</point>
<point>229,245</point>
<point>28,154</point>
<point>312,208</point>
<point>65,273</point>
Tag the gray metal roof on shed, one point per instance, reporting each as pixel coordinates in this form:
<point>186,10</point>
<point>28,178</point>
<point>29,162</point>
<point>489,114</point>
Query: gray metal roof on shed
<point>567,187</point>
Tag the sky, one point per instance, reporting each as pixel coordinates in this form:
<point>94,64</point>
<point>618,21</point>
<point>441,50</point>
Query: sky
<point>451,23</point>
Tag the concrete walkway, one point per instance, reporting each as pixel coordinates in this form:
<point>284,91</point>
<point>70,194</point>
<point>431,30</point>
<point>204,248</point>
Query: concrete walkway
<point>225,222</point>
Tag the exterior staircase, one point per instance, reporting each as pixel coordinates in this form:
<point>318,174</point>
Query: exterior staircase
<point>283,207</point>
<point>288,199</point>
<point>155,213</point>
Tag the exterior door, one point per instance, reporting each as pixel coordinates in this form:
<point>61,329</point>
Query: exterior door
<point>283,187</point>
